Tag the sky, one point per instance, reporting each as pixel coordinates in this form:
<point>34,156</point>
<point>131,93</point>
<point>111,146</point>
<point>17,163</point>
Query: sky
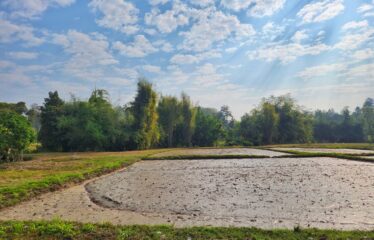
<point>220,52</point>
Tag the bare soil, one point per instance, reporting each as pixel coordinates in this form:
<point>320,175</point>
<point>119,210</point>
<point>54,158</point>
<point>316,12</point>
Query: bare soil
<point>266,193</point>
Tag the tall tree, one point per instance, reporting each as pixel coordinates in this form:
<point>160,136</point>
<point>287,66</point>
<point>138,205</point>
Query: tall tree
<point>145,116</point>
<point>268,120</point>
<point>50,134</point>
<point>169,116</point>
<point>368,119</point>
<point>188,113</point>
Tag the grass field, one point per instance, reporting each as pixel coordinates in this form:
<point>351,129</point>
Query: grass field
<point>20,181</point>
<point>68,230</point>
<point>364,146</point>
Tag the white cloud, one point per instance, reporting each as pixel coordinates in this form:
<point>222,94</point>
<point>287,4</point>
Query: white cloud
<point>32,8</point>
<point>352,41</point>
<point>152,68</point>
<point>271,30</point>
<point>157,2</point>
<point>140,47</point>
<point>164,46</point>
<point>257,8</point>
<point>182,59</point>
<point>287,53</point>
<point>231,50</point>
<point>218,26</point>
<point>11,32</point>
<point>168,21</point>
<point>23,55</point>
<point>299,36</point>
<point>263,8</point>
<point>90,55</point>
<point>319,11</point>
<point>118,15</point>
<point>207,75</point>
<point>364,72</point>
<point>202,3</point>
<point>321,70</point>
<point>236,5</point>
<point>366,9</point>
<point>355,25</point>
<point>363,54</point>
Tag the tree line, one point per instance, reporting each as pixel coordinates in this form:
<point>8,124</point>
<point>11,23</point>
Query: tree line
<point>152,120</point>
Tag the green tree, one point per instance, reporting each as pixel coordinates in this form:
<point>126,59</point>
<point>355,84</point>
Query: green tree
<point>19,107</point>
<point>91,126</point>
<point>50,134</point>
<point>268,120</point>
<point>16,134</point>
<point>187,124</point>
<point>146,132</point>
<point>368,119</point>
<point>169,115</point>
<point>208,128</point>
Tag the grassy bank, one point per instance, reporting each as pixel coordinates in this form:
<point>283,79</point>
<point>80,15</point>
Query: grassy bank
<point>298,154</point>
<point>363,146</point>
<point>69,230</point>
<point>20,181</point>
<point>198,156</point>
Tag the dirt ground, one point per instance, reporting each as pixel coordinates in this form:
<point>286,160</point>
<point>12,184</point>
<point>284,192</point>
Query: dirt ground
<point>220,151</point>
<point>326,150</point>
<point>266,193</point>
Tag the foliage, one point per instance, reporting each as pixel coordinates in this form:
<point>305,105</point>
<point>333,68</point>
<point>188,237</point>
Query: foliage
<point>144,111</point>
<point>146,122</point>
<point>50,133</point>
<point>208,128</point>
<point>19,107</point>
<point>276,120</point>
<point>168,110</point>
<point>16,134</point>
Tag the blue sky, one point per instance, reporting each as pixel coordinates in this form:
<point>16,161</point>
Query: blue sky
<point>231,52</point>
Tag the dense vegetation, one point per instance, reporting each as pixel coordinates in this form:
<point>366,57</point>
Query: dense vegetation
<point>154,120</point>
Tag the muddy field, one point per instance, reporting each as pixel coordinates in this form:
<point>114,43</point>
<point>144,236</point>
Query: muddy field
<point>220,151</point>
<point>327,150</point>
<point>266,193</point>
<point>318,192</point>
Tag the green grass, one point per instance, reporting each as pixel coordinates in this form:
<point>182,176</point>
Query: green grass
<point>69,230</point>
<point>363,146</point>
<point>197,156</point>
<point>21,181</point>
<point>299,154</point>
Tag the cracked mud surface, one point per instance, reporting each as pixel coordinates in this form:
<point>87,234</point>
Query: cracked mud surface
<point>220,151</point>
<point>265,193</point>
<point>317,192</point>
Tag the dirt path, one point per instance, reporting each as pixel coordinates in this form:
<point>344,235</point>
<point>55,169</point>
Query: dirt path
<point>266,193</point>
